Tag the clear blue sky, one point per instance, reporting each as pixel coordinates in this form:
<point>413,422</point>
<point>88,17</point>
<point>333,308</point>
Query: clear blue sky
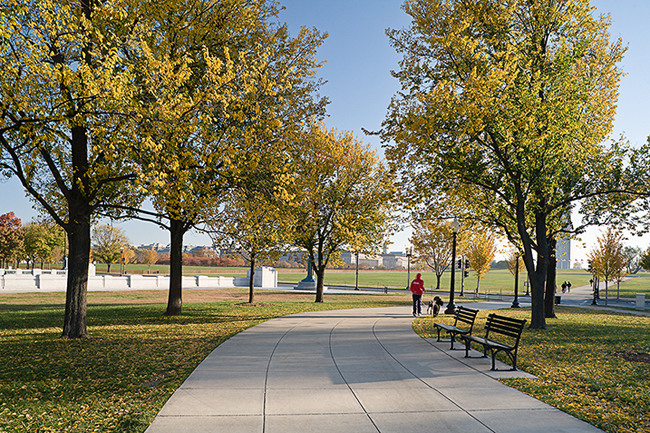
<point>359,85</point>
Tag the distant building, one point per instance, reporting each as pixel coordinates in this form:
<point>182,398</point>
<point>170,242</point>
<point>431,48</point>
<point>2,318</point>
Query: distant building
<point>165,249</point>
<point>563,254</point>
<point>394,261</point>
<point>348,257</point>
<point>370,261</point>
<point>388,260</point>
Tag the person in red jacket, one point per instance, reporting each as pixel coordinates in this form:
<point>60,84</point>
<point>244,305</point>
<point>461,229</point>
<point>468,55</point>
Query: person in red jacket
<point>417,288</point>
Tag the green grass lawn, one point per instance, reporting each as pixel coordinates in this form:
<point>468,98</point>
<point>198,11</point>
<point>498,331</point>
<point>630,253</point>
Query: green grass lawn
<point>496,282</point>
<point>633,284</point>
<point>137,268</point>
<point>590,364</point>
<point>119,379</point>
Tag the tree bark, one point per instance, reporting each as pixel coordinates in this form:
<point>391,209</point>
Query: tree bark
<point>78,229</point>
<point>175,299</point>
<point>320,278</point>
<point>74,324</point>
<point>551,283</point>
<point>538,279</point>
<point>251,282</point>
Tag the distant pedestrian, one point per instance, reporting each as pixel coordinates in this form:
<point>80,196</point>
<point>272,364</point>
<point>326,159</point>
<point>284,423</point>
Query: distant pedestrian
<point>417,289</point>
<point>564,287</point>
<point>568,286</point>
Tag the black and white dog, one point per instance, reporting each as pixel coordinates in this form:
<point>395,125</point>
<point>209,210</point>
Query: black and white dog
<point>434,306</point>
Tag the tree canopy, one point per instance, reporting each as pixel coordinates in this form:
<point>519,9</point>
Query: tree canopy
<point>12,236</point>
<point>104,103</point>
<point>252,225</point>
<point>504,106</point>
<point>109,244</point>
<point>607,260</point>
<point>432,245</point>
<point>341,196</point>
<point>63,92</point>
<point>232,85</point>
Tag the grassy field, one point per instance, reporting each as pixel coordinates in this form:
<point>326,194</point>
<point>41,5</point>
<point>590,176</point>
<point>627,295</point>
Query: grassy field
<point>638,283</point>
<point>495,282</point>
<point>590,364</point>
<point>119,379</point>
<point>138,268</point>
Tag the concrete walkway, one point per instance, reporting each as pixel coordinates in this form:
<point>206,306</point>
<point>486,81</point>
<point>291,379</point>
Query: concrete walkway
<point>350,371</point>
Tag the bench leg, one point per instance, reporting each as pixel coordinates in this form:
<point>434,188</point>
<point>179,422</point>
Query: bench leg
<point>453,338</point>
<point>467,344</point>
<point>513,359</point>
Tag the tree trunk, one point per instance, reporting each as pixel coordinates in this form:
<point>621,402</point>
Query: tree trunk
<point>74,324</point>
<point>175,299</point>
<point>108,268</point>
<point>551,283</point>
<point>438,278</point>
<point>78,229</point>
<point>320,278</point>
<point>538,279</point>
<point>251,282</point>
<point>320,275</point>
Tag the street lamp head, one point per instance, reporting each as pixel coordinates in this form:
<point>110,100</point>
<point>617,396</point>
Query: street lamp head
<point>455,225</point>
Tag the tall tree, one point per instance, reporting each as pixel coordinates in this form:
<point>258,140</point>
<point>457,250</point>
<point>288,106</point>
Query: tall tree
<point>63,86</point>
<point>253,225</point>
<point>644,262</point>
<point>514,265</point>
<point>12,237</point>
<point>608,260</point>
<point>341,194</point>
<point>234,84</point>
<point>432,245</point>
<point>108,244</point>
<point>504,106</point>
<point>36,246</point>
<point>632,258</point>
<point>44,241</point>
<point>481,251</point>
<point>150,258</point>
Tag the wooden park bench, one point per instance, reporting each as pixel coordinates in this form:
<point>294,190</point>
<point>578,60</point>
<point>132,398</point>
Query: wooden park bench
<point>506,330</point>
<point>463,315</point>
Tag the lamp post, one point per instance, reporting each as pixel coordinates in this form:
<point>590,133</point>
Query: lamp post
<point>451,308</point>
<point>408,267</point>
<point>515,302</point>
<point>356,284</point>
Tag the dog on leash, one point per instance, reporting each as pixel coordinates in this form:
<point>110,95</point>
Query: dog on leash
<point>434,306</point>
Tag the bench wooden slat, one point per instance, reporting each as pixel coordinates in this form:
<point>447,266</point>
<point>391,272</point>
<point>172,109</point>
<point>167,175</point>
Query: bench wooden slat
<point>463,315</point>
<point>502,326</point>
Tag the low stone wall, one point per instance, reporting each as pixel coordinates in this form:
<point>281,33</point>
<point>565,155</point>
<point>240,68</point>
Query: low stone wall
<point>20,279</point>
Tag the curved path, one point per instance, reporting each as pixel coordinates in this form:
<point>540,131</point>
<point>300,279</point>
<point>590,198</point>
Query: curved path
<point>349,371</point>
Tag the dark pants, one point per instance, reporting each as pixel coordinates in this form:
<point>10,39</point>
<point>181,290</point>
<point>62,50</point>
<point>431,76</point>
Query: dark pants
<point>417,304</point>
